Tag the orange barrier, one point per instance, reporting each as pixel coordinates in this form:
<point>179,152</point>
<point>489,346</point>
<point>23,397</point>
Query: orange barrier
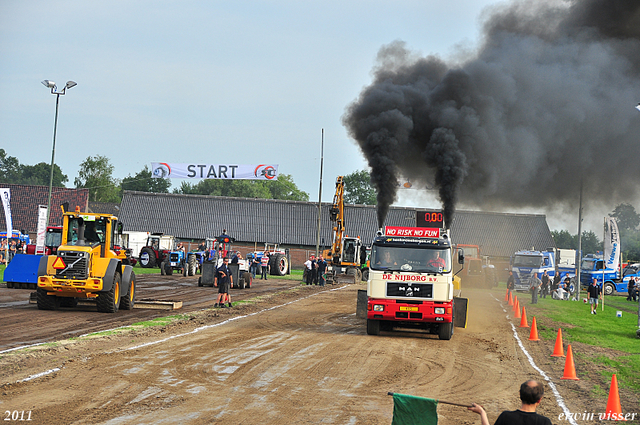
<point>523,321</point>
<point>533,336</point>
<point>558,351</point>
<point>569,367</point>
<point>613,402</point>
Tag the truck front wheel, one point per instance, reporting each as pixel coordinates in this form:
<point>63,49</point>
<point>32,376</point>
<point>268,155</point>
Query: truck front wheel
<point>445,331</point>
<point>109,302</point>
<point>609,289</point>
<point>373,327</point>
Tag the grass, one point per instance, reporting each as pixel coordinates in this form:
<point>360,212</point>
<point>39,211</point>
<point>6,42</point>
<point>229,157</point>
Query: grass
<point>604,329</point>
<point>2,267</point>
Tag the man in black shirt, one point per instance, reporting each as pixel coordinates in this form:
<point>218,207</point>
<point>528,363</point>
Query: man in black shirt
<point>594,294</point>
<point>531,393</point>
<point>223,280</point>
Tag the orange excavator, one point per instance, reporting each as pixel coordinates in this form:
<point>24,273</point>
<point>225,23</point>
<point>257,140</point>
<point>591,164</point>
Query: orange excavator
<point>347,253</point>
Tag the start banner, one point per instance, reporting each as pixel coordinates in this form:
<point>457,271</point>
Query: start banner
<point>166,170</point>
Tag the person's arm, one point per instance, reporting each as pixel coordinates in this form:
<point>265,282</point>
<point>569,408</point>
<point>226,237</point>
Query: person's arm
<point>476,408</point>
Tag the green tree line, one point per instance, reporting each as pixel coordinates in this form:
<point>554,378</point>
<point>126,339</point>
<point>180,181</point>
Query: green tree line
<point>96,175</point>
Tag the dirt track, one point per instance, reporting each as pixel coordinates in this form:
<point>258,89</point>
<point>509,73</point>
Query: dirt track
<point>299,357</point>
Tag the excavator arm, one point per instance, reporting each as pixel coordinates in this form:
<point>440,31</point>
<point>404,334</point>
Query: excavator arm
<point>336,213</point>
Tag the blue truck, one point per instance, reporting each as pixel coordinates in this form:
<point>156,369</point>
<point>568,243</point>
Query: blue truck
<point>591,267</point>
<point>525,263</point>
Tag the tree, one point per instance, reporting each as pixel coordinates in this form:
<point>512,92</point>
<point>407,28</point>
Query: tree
<point>95,174</point>
<point>283,188</point>
<point>358,189</point>
<point>626,217</point>
<point>143,182</point>
<point>564,239</point>
<point>590,243</point>
<point>11,171</point>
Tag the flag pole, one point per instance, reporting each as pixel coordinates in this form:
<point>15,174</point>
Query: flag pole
<point>443,402</point>
<point>604,247</point>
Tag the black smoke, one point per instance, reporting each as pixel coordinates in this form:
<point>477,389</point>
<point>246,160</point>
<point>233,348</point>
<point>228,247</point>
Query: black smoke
<point>546,101</point>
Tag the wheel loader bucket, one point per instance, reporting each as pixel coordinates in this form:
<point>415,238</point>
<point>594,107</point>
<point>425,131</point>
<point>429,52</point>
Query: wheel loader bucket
<point>345,278</point>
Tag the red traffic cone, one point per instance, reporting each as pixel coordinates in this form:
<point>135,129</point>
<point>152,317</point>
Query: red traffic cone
<point>569,367</point>
<point>558,350</point>
<point>523,321</point>
<point>517,309</point>
<point>510,299</point>
<point>533,336</point>
<point>613,402</point>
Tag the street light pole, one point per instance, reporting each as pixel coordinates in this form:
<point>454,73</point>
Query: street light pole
<point>52,86</point>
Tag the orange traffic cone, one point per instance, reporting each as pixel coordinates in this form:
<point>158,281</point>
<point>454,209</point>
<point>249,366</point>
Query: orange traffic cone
<point>510,299</point>
<point>533,336</point>
<point>613,402</point>
<point>515,302</point>
<point>569,367</point>
<point>558,351</point>
<point>506,296</point>
<point>516,309</point>
<point>523,321</point>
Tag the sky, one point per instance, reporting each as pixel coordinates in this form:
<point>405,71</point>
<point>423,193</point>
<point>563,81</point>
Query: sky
<point>245,82</point>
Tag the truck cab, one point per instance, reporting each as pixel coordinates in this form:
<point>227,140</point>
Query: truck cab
<point>592,266</point>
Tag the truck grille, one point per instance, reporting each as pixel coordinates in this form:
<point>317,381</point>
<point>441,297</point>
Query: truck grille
<point>77,265</point>
<point>416,290</point>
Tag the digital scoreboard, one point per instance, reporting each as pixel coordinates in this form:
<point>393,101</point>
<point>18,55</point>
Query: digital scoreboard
<point>432,219</point>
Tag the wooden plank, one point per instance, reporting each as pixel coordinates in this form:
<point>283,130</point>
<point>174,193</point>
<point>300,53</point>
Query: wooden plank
<point>158,305</point>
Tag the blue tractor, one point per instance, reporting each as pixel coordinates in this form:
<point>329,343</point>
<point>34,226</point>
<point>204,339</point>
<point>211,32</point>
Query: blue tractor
<point>176,259</point>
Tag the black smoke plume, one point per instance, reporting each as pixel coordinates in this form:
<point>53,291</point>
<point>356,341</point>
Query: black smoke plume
<point>546,101</point>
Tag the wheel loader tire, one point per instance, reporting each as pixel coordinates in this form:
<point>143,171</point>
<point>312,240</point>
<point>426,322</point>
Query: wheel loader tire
<point>147,258</point>
<point>279,265</point>
<point>128,301</point>
<point>46,302</point>
<point>247,279</point>
<point>109,302</point>
<point>163,268</point>
<point>68,302</point>
<point>193,265</point>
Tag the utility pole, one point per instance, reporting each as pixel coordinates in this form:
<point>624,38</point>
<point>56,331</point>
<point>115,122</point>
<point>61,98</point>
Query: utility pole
<point>320,194</point>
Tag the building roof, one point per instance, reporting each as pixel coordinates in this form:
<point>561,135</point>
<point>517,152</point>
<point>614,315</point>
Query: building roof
<point>295,223</point>
<point>104,208</point>
<point>26,198</point>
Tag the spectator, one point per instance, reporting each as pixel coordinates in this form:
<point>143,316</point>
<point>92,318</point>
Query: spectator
<point>511,283</point>
<point>322,269</point>
<point>559,293</point>
<point>255,264</point>
<point>631,289</point>
<point>237,257</point>
<point>531,393</point>
<point>223,280</point>
<point>556,282</point>
<point>12,251</point>
<point>534,285</point>
<point>310,264</point>
<point>545,284</point>
<point>594,294</point>
<point>264,263</point>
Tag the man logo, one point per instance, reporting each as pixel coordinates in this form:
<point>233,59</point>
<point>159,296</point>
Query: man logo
<point>162,171</point>
<point>265,171</point>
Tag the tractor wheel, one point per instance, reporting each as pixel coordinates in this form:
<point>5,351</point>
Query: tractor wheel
<point>279,265</point>
<point>109,302</point>
<point>200,281</point>
<point>247,279</point>
<point>46,302</point>
<point>185,271</point>
<point>373,327</point>
<point>168,270</point>
<point>128,301</point>
<point>147,258</point>
<point>193,265</point>
<point>68,302</point>
<point>163,268</point>
<point>240,284</point>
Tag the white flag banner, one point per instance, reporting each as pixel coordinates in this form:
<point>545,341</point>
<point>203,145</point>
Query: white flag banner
<point>6,203</point>
<point>166,170</point>
<point>611,244</point>
<point>42,229</point>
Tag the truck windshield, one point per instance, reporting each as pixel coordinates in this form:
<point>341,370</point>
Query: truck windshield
<point>591,264</point>
<point>53,238</point>
<point>528,261</point>
<point>416,259</point>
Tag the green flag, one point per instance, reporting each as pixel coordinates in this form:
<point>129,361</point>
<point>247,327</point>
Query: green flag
<point>412,410</point>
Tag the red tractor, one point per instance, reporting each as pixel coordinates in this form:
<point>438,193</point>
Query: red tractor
<point>153,254</point>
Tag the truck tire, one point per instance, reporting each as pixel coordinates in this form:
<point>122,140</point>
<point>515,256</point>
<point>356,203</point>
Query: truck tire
<point>193,265</point>
<point>279,265</point>
<point>609,289</point>
<point>128,301</point>
<point>45,302</point>
<point>147,258</point>
<point>445,331</point>
<point>68,302</point>
<point>247,279</point>
<point>163,268</point>
<point>109,301</point>
<point>373,327</point>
